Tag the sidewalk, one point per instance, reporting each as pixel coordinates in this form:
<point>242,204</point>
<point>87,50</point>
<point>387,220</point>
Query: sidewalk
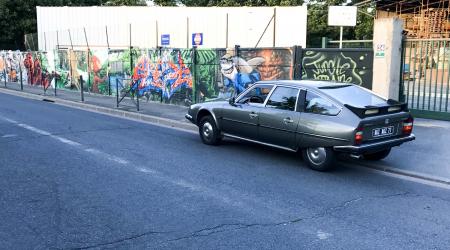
<point>427,157</point>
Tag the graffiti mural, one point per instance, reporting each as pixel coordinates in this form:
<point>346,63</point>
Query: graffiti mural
<point>12,62</point>
<point>350,66</point>
<point>173,76</point>
<point>2,67</point>
<point>39,68</point>
<point>119,70</point>
<point>276,63</point>
<point>208,78</point>
<point>98,71</point>
<point>165,73</point>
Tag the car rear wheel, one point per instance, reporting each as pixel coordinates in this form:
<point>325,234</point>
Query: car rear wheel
<point>209,133</point>
<point>320,158</point>
<point>378,155</point>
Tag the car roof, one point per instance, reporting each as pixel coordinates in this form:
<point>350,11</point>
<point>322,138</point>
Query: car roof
<point>305,83</point>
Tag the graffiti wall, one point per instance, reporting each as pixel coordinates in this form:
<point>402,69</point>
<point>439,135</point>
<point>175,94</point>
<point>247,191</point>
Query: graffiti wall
<point>222,73</point>
<point>182,76</point>
<point>346,65</point>
<point>10,66</point>
<point>165,75</point>
<point>98,72</point>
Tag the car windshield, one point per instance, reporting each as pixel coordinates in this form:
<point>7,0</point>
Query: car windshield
<point>353,95</point>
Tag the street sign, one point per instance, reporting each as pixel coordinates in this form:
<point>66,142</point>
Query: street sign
<point>342,15</point>
<point>381,48</point>
<point>197,39</point>
<point>165,39</point>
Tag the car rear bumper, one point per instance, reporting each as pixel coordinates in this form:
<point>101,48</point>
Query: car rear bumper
<point>375,146</point>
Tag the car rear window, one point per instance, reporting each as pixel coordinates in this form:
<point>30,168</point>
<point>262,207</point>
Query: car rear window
<point>353,95</point>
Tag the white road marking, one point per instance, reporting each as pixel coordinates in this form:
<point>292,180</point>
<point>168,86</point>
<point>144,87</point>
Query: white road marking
<point>9,136</point>
<point>106,155</point>
<point>33,129</point>
<point>9,120</point>
<point>67,141</point>
<point>323,235</point>
<point>146,170</point>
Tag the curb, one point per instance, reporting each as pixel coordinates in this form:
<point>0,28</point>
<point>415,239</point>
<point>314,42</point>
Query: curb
<point>154,120</point>
<point>407,173</point>
<point>159,121</point>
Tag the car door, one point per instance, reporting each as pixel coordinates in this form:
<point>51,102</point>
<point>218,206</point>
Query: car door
<point>279,120</point>
<point>319,123</point>
<point>241,118</point>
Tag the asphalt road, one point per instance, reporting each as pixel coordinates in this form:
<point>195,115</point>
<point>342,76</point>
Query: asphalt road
<point>75,179</point>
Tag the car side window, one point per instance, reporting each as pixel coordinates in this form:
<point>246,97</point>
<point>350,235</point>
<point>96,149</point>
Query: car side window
<point>256,95</point>
<point>283,98</point>
<point>319,105</point>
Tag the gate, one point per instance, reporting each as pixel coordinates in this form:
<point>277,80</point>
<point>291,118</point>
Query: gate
<point>425,77</point>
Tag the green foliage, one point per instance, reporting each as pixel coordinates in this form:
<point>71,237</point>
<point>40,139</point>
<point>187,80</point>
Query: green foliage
<point>242,3</point>
<point>318,24</point>
<point>124,2</point>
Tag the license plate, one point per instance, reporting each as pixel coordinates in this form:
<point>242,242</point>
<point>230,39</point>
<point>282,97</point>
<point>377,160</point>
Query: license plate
<point>377,132</point>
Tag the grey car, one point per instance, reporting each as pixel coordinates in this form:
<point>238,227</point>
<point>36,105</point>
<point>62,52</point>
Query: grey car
<point>319,118</point>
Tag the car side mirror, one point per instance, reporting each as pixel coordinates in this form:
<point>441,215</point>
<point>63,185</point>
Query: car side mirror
<point>231,101</point>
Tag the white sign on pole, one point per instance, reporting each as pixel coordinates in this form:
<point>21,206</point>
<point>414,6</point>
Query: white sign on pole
<point>342,15</point>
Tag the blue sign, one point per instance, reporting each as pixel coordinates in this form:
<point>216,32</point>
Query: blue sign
<point>165,39</point>
<point>197,39</point>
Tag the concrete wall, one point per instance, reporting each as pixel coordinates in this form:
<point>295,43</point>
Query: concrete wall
<point>387,42</point>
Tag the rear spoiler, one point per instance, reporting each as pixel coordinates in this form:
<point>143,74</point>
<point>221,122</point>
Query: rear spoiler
<point>368,111</point>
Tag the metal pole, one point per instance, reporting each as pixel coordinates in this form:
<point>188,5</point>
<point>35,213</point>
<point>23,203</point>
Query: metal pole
<point>81,87</point>
<point>162,87</point>
<point>109,77</point>
<point>20,72</point>
<point>194,75</point>
<point>137,96</point>
<point>70,37</point>
<point>274,25</point>
<point>187,32</point>
<point>55,75</point>
<point>324,42</point>
<point>57,40</point>
<point>4,68</point>
<point>88,60</point>
<point>157,38</point>
<point>107,70</point>
<point>340,37</point>
<point>45,42</point>
<point>226,33</point>
<point>117,92</point>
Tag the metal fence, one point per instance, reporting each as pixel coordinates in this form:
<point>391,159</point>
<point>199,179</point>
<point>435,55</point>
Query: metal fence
<point>425,77</point>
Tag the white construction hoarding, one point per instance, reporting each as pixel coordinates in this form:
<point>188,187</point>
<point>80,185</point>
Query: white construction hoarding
<point>221,26</point>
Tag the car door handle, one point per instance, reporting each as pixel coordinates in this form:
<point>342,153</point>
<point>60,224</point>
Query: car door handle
<point>288,120</point>
<point>253,115</point>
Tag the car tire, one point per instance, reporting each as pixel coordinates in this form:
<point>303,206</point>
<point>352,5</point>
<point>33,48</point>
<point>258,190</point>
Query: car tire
<point>209,133</point>
<point>320,158</point>
<point>377,156</point>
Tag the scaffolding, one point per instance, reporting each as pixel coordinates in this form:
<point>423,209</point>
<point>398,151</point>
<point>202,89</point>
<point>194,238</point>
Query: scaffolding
<point>422,18</point>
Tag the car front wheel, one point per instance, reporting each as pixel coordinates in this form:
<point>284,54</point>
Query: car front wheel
<point>378,155</point>
<point>320,158</point>
<point>209,133</point>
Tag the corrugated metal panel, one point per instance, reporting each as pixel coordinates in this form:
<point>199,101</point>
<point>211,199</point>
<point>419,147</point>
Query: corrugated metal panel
<point>245,26</point>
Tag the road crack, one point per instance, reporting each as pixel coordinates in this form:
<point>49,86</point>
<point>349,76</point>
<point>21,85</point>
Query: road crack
<point>121,240</point>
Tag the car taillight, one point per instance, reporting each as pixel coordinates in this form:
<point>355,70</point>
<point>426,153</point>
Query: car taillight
<point>358,136</point>
<point>408,126</point>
